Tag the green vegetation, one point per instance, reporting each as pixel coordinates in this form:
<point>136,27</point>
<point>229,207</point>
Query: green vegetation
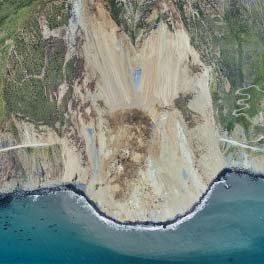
<point>28,99</point>
<point>29,51</point>
<point>29,150</point>
<point>12,14</point>
<point>50,153</point>
<point>233,44</point>
<point>124,15</point>
<point>24,94</point>
<point>58,14</point>
<point>70,66</point>
<point>116,9</point>
<point>136,17</point>
<point>255,102</point>
<point>31,69</point>
<point>14,131</point>
<point>11,7</point>
<point>224,105</point>
<point>74,69</point>
<point>241,52</point>
<point>56,51</point>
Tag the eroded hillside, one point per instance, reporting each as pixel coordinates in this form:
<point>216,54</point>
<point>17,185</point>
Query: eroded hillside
<point>229,37</point>
<point>144,102</point>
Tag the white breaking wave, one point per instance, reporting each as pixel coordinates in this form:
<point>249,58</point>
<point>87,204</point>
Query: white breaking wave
<point>35,197</point>
<point>198,209</point>
<point>85,204</point>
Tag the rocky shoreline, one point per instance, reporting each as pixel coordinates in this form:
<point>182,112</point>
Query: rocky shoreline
<point>7,198</point>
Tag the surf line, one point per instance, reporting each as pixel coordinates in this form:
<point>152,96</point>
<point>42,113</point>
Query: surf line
<point>142,225</point>
<point>171,224</point>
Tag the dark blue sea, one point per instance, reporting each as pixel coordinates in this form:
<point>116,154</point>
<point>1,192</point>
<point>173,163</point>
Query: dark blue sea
<point>58,228</point>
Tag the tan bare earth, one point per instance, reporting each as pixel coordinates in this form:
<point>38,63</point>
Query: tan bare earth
<point>152,149</point>
<point>145,149</point>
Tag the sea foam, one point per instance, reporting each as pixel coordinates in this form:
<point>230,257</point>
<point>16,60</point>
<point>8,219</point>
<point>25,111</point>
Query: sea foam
<point>82,201</point>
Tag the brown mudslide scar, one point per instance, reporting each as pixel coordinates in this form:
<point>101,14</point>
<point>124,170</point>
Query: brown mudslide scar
<point>129,139</point>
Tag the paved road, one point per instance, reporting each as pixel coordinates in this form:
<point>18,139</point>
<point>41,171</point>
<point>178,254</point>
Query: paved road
<point>244,102</point>
<point>235,143</point>
<point>25,146</point>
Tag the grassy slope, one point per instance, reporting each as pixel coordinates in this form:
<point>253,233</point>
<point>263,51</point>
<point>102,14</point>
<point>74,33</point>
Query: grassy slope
<point>12,14</point>
<point>243,59</point>
<point>137,18</point>
<point>19,27</point>
<point>234,46</point>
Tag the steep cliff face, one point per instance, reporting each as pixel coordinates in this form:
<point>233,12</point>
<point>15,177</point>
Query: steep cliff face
<point>29,167</point>
<point>142,109</point>
<point>229,37</point>
<point>128,97</point>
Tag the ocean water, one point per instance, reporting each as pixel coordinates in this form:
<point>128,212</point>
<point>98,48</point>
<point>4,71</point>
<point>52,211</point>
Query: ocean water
<point>58,228</point>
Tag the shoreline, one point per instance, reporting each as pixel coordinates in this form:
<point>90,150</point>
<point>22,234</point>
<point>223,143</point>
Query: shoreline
<point>6,198</point>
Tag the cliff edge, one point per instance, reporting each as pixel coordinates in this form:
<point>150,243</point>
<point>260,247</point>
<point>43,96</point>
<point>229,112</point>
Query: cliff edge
<point>144,102</point>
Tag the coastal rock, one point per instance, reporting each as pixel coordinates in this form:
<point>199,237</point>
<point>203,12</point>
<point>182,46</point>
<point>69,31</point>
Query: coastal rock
<point>143,102</point>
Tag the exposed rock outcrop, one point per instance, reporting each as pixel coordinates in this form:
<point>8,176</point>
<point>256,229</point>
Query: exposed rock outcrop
<point>133,97</point>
